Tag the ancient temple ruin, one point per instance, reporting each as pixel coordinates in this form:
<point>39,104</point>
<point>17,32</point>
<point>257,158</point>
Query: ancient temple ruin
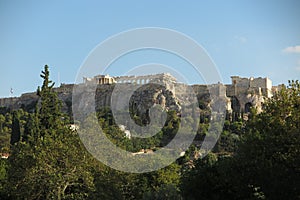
<point>100,79</point>
<point>156,78</point>
<point>240,95</point>
<point>248,92</point>
<point>153,78</point>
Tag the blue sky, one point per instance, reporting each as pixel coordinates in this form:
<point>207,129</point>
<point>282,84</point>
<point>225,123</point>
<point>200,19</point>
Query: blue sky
<point>246,38</point>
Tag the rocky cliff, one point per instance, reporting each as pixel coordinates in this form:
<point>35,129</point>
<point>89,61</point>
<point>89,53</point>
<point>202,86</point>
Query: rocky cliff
<point>239,96</point>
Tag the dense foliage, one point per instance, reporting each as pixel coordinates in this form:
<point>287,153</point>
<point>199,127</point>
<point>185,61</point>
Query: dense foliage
<point>266,164</point>
<point>253,159</point>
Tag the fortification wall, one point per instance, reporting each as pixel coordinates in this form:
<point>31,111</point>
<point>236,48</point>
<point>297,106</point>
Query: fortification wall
<point>9,103</point>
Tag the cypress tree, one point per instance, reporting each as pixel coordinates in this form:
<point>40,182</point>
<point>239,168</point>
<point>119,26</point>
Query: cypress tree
<point>16,132</point>
<point>31,129</point>
<point>2,120</point>
<point>49,112</point>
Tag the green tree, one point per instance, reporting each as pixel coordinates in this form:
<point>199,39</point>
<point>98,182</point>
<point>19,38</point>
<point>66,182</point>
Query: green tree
<point>2,120</point>
<point>215,177</point>
<point>49,114</point>
<point>4,134</point>
<point>168,191</point>
<point>50,162</point>
<point>269,152</point>
<point>266,164</point>
<point>3,178</point>
<point>16,131</point>
<point>108,184</point>
<point>31,130</point>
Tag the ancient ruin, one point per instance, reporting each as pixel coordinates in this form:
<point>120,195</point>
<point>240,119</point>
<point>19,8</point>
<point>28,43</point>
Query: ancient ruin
<point>240,95</point>
<point>99,79</point>
<point>248,92</point>
<point>106,79</point>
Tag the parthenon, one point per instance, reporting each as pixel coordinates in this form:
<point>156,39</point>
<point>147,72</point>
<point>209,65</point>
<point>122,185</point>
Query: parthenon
<point>156,78</point>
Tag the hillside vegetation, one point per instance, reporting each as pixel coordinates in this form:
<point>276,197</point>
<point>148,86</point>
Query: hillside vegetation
<point>253,159</point>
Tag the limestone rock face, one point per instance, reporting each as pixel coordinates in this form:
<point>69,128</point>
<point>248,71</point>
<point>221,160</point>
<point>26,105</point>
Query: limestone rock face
<point>140,93</point>
<point>28,101</point>
<point>151,94</point>
<point>124,97</point>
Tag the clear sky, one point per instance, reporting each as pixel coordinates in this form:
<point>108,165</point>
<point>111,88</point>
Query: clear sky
<point>246,38</point>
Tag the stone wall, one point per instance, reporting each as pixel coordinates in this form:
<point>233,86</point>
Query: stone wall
<point>28,101</point>
<point>248,92</point>
<point>155,78</point>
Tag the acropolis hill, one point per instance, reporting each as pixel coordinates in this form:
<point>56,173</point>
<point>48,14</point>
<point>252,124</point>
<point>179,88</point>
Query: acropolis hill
<point>240,95</point>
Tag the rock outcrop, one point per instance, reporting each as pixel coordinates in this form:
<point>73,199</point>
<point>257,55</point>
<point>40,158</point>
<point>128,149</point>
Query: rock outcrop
<point>140,93</point>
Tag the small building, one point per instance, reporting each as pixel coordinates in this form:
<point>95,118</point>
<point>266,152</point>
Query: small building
<point>4,155</point>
